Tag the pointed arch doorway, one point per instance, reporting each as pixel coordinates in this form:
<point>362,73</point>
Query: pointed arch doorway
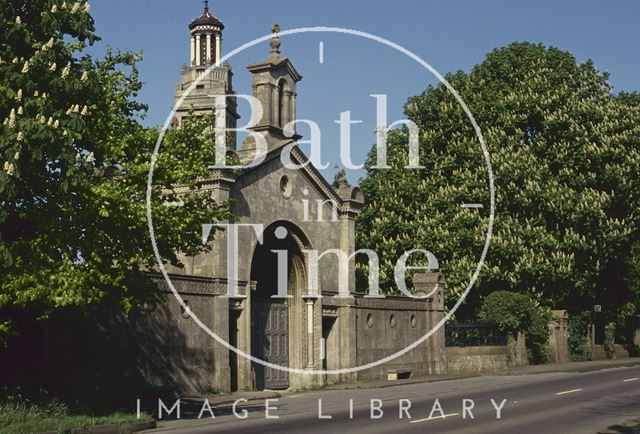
<point>277,324</point>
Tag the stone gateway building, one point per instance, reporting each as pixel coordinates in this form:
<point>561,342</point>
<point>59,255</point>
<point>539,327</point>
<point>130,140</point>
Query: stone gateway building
<point>298,210</point>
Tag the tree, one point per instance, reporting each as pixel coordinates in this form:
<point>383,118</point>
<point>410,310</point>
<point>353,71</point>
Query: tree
<point>565,158</point>
<point>515,313</point>
<point>75,159</point>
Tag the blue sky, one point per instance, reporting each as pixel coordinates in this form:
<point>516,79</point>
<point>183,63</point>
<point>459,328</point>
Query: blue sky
<point>449,35</point>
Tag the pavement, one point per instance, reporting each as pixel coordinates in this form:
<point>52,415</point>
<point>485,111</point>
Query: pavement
<point>584,397</point>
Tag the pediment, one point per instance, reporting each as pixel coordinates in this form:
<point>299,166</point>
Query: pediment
<point>309,172</point>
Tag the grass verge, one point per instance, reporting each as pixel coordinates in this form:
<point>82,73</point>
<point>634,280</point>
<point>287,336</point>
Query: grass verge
<point>19,416</point>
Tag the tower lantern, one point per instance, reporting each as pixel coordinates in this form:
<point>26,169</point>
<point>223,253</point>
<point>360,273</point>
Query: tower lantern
<point>206,38</point>
<point>212,78</point>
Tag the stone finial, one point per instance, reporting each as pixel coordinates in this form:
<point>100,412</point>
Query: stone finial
<point>206,6</point>
<point>341,179</point>
<point>275,40</point>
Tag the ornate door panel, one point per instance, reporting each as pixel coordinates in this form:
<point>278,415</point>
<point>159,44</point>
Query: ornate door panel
<point>270,342</point>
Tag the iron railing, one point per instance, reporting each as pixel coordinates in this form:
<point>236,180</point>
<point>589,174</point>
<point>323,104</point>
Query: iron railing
<point>474,334</point>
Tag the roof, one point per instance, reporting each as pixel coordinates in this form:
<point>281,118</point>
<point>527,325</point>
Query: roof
<point>206,19</point>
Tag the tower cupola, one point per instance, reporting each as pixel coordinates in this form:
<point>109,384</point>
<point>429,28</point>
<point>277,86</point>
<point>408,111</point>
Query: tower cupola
<point>206,38</point>
<point>210,76</point>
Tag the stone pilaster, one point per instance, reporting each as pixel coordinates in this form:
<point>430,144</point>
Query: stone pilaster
<point>218,48</point>
<point>215,264</point>
<point>433,283</point>
<point>198,63</point>
<point>348,341</point>
<point>208,56</point>
<point>192,59</point>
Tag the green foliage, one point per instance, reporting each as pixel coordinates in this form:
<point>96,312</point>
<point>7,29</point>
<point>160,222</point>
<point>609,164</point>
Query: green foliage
<point>21,415</point>
<point>565,159</point>
<point>609,339</point>
<point>513,313</point>
<point>578,332</point>
<point>628,318</point>
<point>75,160</point>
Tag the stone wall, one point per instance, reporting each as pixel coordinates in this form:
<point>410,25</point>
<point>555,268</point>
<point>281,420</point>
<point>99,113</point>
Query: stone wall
<point>366,329</point>
<point>598,352</point>
<point>386,326</point>
<point>558,346</point>
<point>477,360</point>
<point>162,349</point>
<point>158,348</point>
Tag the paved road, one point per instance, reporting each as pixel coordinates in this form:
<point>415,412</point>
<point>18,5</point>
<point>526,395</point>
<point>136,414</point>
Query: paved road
<point>544,403</point>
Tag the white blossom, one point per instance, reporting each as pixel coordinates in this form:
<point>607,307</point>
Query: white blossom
<point>90,158</point>
<point>66,70</point>
<point>56,124</point>
<point>12,118</point>
<point>85,76</point>
<point>19,94</point>
<point>53,67</point>
<point>20,136</point>
<point>36,93</point>
<point>85,111</point>
<point>42,119</point>
<point>76,7</point>
<point>15,60</point>
<point>25,68</point>
<point>18,20</point>
<point>87,8</point>
<point>78,156</point>
<point>17,155</point>
<point>8,168</point>
<point>54,8</point>
<point>63,6</point>
<point>76,108</point>
<point>20,111</point>
<point>50,121</point>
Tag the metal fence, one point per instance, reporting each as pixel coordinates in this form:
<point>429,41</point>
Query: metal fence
<point>474,334</point>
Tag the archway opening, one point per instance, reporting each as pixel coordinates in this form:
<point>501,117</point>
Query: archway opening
<point>275,321</point>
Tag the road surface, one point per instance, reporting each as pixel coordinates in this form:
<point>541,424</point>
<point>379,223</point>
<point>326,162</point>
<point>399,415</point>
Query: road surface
<point>543,403</point>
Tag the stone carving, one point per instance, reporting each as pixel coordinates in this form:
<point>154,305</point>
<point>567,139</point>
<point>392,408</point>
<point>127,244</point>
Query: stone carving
<point>393,304</point>
<point>331,311</point>
<point>199,285</point>
<point>275,40</point>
